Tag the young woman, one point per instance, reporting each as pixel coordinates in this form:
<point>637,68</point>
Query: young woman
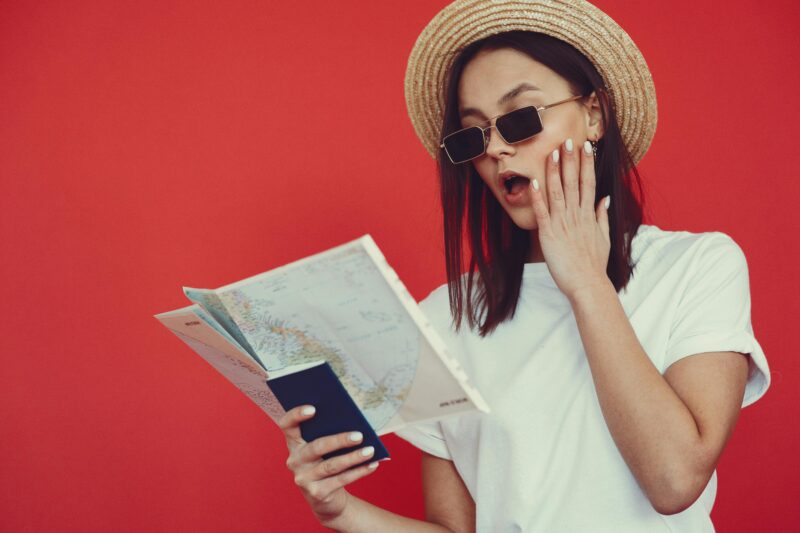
<point>615,355</point>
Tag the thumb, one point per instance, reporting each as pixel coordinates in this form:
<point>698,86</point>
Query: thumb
<point>602,216</point>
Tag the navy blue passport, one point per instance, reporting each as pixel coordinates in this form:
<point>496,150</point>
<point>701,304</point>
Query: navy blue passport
<point>336,411</point>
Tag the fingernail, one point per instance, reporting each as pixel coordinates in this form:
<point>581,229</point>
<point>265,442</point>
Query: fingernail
<point>555,156</point>
<point>355,436</point>
<point>608,201</point>
<point>568,144</point>
<point>308,410</point>
<point>366,452</point>
<point>535,183</point>
<point>373,465</point>
<point>587,147</point>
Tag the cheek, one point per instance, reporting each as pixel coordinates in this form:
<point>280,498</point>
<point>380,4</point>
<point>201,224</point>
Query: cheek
<point>535,156</point>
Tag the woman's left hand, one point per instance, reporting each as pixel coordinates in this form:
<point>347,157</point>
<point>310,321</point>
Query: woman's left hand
<point>573,233</point>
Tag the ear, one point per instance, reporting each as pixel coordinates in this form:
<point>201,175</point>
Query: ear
<point>593,116</point>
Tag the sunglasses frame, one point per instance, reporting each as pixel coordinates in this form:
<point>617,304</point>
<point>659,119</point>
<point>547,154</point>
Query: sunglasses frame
<point>490,126</point>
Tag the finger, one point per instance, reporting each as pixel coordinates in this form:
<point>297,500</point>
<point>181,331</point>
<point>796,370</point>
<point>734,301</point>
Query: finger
<point>540,207</point>
<point>588,177</point>
<point>555,192</point>
<point>340,463</point>
<point>290,424</point>
<point>331,484</point>
<point>602,217</point>
<point>571,164</point>
<point>314,450</point>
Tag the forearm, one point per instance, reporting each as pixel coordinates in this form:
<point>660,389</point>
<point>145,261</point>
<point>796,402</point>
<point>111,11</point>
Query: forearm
<point>361,516</point>
<point>653,429</point>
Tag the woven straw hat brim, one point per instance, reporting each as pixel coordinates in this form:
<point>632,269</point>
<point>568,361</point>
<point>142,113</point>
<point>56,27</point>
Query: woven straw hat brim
<point>620,63</point>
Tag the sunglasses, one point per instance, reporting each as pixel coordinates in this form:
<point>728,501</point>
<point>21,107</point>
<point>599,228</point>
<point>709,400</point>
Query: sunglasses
<point>518,125</point>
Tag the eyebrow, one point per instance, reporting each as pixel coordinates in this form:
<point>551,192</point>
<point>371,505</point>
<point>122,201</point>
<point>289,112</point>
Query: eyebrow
<point>524,86</point>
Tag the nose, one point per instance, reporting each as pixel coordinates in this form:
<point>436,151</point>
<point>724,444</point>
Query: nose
<point>495,144</point>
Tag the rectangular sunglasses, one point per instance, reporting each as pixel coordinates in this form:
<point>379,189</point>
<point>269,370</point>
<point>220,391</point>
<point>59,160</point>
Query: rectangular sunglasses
<point>518,125</point>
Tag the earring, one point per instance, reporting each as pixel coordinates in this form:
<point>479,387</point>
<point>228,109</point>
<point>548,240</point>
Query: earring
<point>594,148</point>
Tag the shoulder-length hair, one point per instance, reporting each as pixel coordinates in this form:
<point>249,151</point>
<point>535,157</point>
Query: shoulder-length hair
<point>498,247</point>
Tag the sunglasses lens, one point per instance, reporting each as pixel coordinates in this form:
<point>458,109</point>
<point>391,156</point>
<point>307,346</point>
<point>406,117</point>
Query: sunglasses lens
<point>519,125</point>
<point>464,145</point>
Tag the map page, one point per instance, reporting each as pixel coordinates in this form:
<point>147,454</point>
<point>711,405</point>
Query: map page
<point>346,306</point>
<point>203,334</point>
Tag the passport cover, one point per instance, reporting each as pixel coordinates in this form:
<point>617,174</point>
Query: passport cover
<point>336,411</point>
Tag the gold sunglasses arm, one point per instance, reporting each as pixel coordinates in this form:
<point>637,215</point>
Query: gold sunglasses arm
<point>559,102</point>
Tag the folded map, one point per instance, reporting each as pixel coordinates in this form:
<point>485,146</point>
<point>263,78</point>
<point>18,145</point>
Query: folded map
<point>345,306</point>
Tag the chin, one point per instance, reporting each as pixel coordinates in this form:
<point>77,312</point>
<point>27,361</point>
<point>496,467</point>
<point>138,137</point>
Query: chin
<point>526,220</point>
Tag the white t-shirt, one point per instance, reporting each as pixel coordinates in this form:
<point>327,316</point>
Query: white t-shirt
<point>544,460</point>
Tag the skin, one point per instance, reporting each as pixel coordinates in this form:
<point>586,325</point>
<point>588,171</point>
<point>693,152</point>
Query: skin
<point>671,429</point>
<point>490,75</point>
<point>321,482</point>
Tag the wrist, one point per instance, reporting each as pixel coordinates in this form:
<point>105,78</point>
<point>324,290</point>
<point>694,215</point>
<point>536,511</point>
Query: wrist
<point>340,521</point>
<point>592,292</point>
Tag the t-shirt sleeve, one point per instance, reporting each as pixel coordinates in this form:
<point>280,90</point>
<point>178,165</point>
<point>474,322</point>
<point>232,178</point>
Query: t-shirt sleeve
<point>428,437</point>
<point>714,312</point>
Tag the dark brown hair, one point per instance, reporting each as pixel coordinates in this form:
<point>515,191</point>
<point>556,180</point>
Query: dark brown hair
<point>498,247</point>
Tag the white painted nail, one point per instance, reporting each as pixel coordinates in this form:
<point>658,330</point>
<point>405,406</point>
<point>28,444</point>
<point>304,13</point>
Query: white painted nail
<point>355,436</point>
<point>373,465</point>
<point>568,144</point>
<point>555,156</point>
<point>587,147</point>
<point>308,410</point>
<point>535,184</point>
<point>366,452</point>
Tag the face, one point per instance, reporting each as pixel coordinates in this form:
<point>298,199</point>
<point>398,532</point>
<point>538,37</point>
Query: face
<point>488,77</point>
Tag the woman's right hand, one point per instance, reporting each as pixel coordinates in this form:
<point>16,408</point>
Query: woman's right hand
<point>321,480</point>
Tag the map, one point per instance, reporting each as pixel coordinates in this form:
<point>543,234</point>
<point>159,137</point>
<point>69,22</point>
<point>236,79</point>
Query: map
<point>209,340</point>
<point>338,308</point>
<point>345,306</point>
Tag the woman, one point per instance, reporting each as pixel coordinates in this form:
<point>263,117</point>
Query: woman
<point>615,366</point>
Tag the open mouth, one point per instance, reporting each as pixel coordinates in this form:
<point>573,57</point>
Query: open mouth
<point>516,184</point>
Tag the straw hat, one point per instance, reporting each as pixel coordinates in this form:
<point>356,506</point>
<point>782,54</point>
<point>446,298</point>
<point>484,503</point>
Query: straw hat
<point>577,22</point>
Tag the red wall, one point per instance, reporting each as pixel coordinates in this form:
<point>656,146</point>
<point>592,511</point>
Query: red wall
<point>147,145</point>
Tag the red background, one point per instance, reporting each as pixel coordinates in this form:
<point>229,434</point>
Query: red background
<point>149,145</point>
